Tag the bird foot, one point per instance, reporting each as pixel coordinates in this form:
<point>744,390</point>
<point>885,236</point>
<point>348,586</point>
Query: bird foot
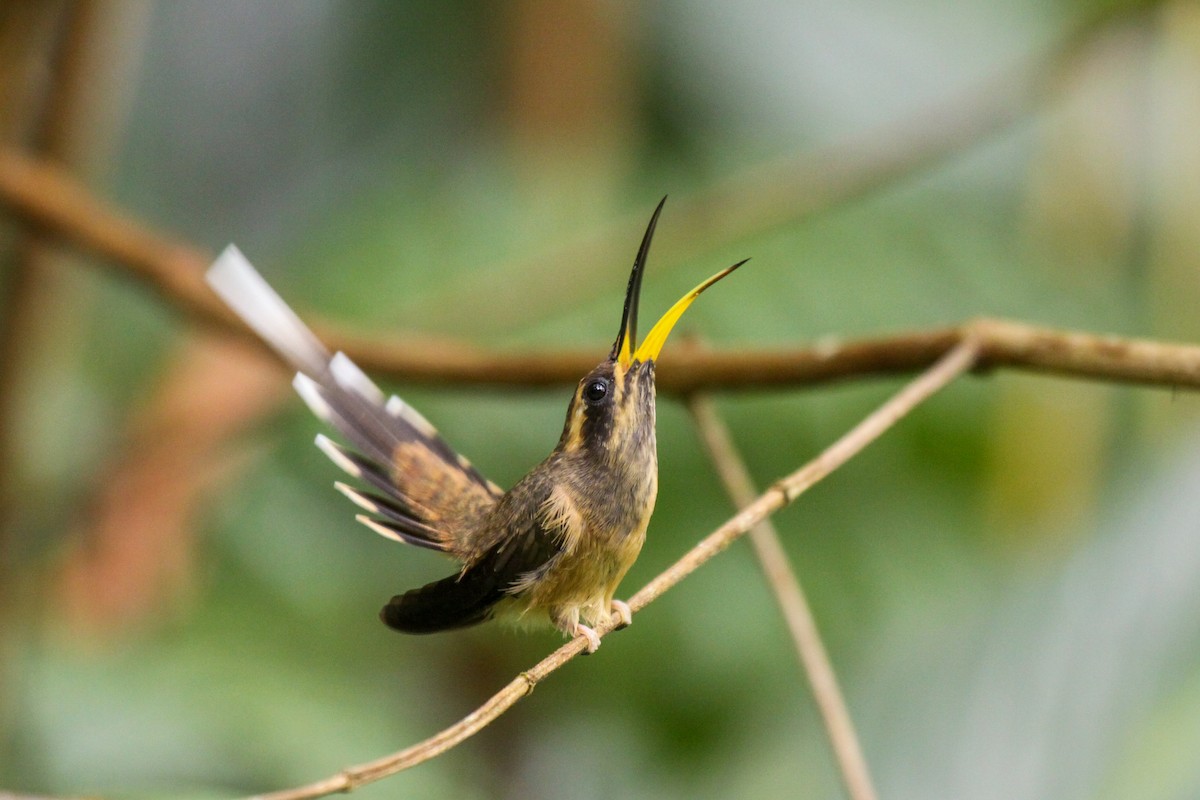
<point>621,608</point>
<point>593,638</point>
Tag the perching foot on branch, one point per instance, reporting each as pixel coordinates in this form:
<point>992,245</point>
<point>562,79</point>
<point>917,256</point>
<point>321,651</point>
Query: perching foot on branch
<point>621,609</point>
<point>593,638</point>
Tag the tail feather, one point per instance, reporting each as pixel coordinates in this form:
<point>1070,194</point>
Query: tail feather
<point>352,420</point>
<point>417,510</point>
<point>391,521</point>
<point>388,507</point>
<point>253,299</point>
<point>354,465</point>
<point>454,602</point>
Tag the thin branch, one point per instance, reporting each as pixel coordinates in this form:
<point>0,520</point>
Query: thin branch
<point>47,48</point>
<point>785,585</point>
<point>783,492</point>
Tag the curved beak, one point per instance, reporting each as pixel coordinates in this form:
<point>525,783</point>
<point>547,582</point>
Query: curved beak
<point>652,346</point>
<point>625,349</point>
<point>627,335</point>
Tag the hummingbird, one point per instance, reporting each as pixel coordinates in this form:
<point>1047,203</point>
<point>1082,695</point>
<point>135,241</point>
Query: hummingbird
<point>557,544</point>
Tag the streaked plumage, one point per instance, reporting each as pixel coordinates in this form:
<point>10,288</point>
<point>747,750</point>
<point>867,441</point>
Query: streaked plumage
<point>558,542</point>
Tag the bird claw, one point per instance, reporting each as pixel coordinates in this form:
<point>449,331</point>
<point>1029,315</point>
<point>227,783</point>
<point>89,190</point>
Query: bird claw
<point>621,609</point>
<point>593,638</point>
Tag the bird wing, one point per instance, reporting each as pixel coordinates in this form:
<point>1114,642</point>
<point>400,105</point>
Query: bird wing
<point>417,489</point>
<point>522,547</point>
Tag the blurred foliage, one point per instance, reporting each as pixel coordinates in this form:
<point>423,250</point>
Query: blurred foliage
<point>1007,582</point>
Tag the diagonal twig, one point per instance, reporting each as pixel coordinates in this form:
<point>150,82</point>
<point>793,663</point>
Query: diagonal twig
<point>785,585</point>
<point>961,359</point>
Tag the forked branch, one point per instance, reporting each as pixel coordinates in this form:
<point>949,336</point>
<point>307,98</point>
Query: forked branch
<point>789,594</point>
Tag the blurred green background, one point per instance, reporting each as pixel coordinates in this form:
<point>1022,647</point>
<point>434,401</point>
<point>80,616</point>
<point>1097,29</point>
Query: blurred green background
<point>1009,582</point>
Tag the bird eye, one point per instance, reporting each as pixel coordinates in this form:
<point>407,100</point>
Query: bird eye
<point>595,391</point>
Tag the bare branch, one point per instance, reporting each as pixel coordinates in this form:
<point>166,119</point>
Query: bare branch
<point>48,196</point>
<point>44,50</point>
<point>785,585</point>
<point>49,199</point>
<point>783,492</point>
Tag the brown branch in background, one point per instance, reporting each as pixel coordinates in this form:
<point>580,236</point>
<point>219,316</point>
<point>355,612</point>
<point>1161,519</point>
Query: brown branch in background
<point>49,199</point>
<point>783,492</point>
<point>129,550</point>
<point>45,195</point>
<point>785,585</point>
<point>24,30</point>
<point>42,49</point>
<point>1003,343</point>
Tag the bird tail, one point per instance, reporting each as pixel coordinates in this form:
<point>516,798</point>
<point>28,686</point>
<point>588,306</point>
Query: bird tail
<point>458,601</point>
<point>410,505</point>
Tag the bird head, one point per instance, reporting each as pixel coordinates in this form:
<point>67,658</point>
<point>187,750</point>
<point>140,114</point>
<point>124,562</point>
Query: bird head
<point>613,407</point>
